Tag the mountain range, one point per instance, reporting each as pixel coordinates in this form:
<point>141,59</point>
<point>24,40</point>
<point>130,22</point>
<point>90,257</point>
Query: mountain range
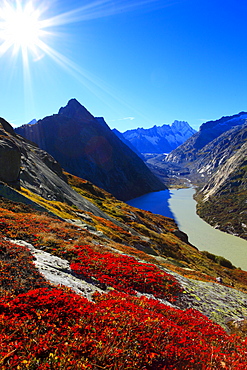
<point>89,282</point>
<point>158,139</point>
<point>86,147</point>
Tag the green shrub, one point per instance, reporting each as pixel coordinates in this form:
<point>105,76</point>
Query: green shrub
<point>219,259</point>
<point>209,255</point>
<point>224,262</point>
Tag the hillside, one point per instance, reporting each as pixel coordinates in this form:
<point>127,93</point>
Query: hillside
<point>89,282</point>
<point>85,146</point>
<point>158,139</point>
<point>128,143</point>
<point>130,303</point>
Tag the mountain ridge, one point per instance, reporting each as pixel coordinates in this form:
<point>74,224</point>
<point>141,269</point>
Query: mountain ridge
<point>222,200</point>
<point>159,139</point>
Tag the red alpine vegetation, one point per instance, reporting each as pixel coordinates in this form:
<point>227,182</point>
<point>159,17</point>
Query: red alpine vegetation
<point>124,273</point>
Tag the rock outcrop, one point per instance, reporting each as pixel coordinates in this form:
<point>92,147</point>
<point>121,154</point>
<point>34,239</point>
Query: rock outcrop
<point>216,301</point>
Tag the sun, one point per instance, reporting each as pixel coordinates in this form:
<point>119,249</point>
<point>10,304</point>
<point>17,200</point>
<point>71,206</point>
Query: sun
<point>20,27</point>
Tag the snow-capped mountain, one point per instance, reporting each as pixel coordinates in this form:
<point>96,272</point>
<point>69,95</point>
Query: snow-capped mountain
<point>159,139</point>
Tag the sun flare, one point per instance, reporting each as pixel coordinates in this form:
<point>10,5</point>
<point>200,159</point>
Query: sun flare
<point>20,27</point>
<point>32,31</point>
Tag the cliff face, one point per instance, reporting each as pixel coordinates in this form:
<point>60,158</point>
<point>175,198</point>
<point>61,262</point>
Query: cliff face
<point>10,155</point>
<point>86,147</point>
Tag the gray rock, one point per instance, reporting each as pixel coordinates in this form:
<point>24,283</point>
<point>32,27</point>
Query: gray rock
<point>10,161</point>
<point>57,271</point>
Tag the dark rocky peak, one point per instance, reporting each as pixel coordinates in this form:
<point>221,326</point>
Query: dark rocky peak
<point>86,147</point>
<point>76,111</point>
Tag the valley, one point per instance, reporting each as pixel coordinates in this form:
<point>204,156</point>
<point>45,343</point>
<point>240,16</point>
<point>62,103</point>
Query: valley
<point>78,263</point>
<point>214,161</point>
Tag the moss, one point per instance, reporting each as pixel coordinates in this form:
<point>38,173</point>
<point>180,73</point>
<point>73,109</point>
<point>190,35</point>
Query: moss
<point>58,208</point>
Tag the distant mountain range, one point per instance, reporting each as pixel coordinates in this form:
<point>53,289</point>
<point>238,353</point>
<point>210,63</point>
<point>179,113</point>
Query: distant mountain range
<point>158,139</point>
<point>86,147</point>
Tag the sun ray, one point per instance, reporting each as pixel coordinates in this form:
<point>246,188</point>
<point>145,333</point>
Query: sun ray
<point>100,9</point>
<point>26,26</point>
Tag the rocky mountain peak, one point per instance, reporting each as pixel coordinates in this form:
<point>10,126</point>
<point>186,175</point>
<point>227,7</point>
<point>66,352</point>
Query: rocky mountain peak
<point>182,126</point>
<point>208,140</point>
<point>86,147</point>
<point>76,111</point>
<point>159,139</point>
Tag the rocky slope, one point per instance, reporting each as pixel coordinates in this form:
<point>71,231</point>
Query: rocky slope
<point>222,201</point>
<point>159,139</point>
<point>86,147</point>
<point>127,142</point>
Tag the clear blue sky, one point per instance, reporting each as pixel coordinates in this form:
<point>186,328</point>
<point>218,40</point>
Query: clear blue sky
<point>137,63</point>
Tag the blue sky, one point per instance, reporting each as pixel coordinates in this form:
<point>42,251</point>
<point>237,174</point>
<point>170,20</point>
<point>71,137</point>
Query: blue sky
<point>137,63</point>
